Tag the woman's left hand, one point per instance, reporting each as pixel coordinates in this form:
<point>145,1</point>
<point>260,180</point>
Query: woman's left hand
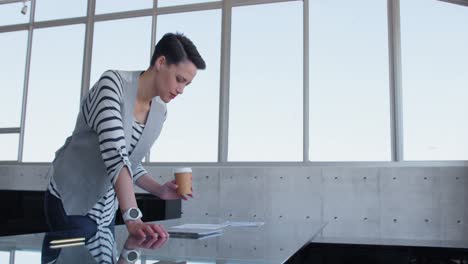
<point>168,191</point>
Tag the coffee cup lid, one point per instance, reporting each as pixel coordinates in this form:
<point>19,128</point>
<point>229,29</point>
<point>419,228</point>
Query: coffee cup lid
<point>182,170</point>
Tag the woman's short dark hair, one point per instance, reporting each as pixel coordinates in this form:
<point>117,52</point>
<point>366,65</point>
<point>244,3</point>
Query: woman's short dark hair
<point>177,48</point>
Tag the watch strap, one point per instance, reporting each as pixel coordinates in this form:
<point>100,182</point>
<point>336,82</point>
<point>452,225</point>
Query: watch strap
<point>132,213</point>
<point>130,255</point>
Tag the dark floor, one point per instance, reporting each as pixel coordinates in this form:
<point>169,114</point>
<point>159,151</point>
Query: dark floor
<point>372,254</point>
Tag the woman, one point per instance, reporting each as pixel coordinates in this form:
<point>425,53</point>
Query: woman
<point>119,120</point>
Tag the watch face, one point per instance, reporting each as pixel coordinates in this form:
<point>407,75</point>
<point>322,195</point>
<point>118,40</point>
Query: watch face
<point>133,213</point>
<point>132,256</point>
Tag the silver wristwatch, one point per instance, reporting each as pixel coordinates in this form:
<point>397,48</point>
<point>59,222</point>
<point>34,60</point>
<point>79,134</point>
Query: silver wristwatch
<point>130,255</point>
<point>132,213</point>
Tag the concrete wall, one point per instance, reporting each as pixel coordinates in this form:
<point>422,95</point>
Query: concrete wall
<point>361,202</point>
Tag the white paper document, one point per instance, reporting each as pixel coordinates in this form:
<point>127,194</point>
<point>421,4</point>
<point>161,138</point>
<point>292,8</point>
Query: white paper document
<point>243,223</point>
<point>202,226</point>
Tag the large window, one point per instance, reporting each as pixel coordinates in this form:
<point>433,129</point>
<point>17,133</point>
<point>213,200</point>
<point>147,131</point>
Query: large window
<point>9,143</point>
<point>13,58</point>
<point>121,45</point>
<point>26,256</point>
<point>190,132</point>
<point>57,9</point>
<point>349,81</point>
<point>11,14</point>
<point>54,90</point>
<point>165,3</point>
<point>348,75</point>
<point>265,114</point>
<point>434,41</point>
<point>4,257</point>
<point>109,6</point>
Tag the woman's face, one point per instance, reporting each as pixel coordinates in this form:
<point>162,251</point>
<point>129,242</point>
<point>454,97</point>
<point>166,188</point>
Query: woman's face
<point>172,79</point>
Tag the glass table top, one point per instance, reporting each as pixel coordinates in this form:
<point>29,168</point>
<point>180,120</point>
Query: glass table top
<point>273,242</point>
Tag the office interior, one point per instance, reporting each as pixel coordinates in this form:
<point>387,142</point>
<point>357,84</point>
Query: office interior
<point>342,123</point>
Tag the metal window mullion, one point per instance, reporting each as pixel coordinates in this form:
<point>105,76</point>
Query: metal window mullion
<point>189,8</point>
<point>88,49</point>
<point>123,15</point>
<point>12,256</point>
<point>456,2</point>
<point>236,3</point>
<point>396,102</point>
<point>26,81</point>
<point>44,24</point>
<point>12,28</point>
<point>224,81</point>
<point>10,130</point>
<point>59,22</point>
<point>159,11</point>
<point>9,1</point>
<point>305,56</point>
<point>154,24</point>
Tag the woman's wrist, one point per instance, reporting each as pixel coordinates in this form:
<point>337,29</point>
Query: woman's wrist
<point>149,184</point>
<point>157,189</point>
<point>130,223</point>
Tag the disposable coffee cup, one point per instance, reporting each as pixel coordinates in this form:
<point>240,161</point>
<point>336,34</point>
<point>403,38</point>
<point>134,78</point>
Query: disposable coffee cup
<point>183,177</point>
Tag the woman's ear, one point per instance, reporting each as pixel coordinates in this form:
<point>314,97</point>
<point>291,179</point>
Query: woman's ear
<point>160,62</point>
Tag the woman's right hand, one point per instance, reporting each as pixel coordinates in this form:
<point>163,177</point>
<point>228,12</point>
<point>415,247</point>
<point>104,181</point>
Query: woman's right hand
<point>138,228</point>
<point>168,191</point>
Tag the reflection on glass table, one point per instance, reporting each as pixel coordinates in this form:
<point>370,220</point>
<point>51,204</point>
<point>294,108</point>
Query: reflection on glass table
<point>274,241</point>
